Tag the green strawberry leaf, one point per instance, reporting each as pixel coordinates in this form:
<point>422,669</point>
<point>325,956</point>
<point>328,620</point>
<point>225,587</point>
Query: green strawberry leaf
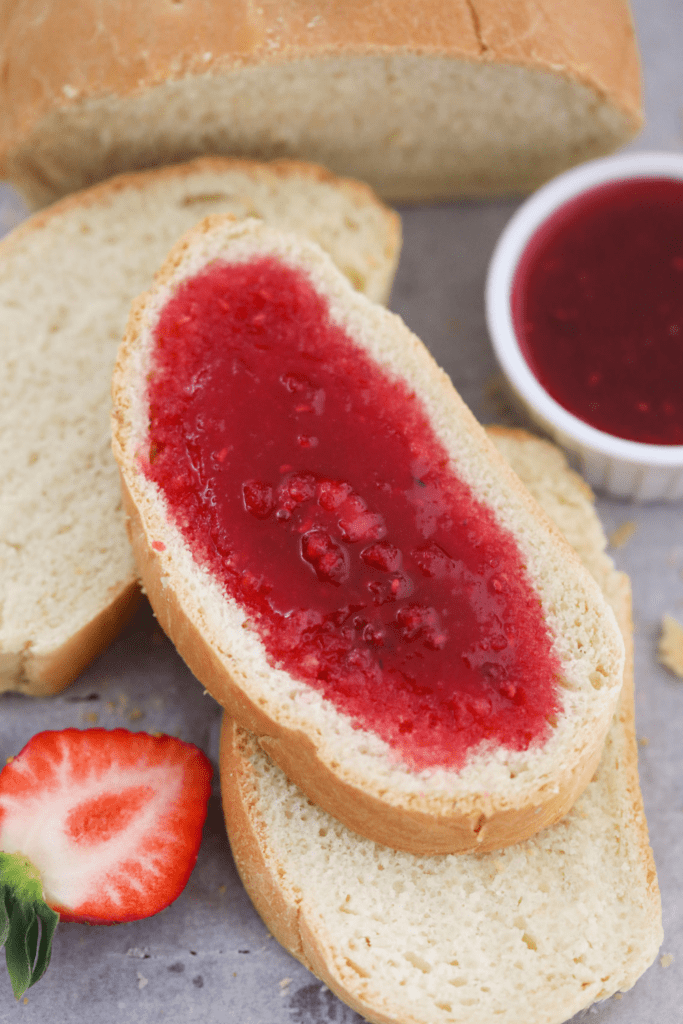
<point>49,919</point>
<point>4,923</point>
<point>27,924</point>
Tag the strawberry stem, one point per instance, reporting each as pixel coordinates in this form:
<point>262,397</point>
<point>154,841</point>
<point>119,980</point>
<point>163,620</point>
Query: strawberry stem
<point>27,924</point>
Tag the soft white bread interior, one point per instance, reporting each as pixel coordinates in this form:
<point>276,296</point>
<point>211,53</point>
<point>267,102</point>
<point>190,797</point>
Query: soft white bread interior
<point>423,101</point>
<point>529,935</point>
<point>500,795</point>
<point>67,279</point>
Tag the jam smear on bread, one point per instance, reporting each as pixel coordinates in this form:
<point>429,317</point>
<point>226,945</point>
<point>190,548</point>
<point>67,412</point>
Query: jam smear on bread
<point>308,480</point>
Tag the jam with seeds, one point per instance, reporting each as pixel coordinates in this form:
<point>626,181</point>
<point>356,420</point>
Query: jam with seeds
<point>597,306</point>
<point>309,481</point>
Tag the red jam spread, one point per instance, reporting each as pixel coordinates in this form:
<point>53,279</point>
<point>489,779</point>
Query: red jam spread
<point>598,308</point>
<point>310,483</point>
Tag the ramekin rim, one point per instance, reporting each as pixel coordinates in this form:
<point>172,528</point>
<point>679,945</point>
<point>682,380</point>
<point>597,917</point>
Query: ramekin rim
<point>511,244</point>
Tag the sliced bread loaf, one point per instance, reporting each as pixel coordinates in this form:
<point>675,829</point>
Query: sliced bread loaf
<point>530,935</point>
<point>342,557</point>
<point>67,278</point>
<point>423,101</point>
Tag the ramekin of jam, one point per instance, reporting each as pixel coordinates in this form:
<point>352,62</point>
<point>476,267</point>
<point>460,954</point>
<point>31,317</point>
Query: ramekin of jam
<point>584,303</point>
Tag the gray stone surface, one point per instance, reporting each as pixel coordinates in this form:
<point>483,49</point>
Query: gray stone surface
<point>208,957</point>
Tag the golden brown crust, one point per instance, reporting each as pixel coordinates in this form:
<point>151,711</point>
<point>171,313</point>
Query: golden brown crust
<point>593,41</point>
<point>99,49</point>
<point>628,765</point>
<point>126,52</point>
<point>524,437</point>
<point>43,675</point>
<point>276,905</point>
<point>55,55</point>
<point>101,194</point>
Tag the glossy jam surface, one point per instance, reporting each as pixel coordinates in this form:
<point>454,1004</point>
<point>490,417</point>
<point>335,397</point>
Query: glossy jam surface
<point>598,308</point>
<point>312,485</point>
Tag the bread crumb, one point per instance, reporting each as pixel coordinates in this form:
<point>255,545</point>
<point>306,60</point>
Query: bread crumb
<point>142,980</point>
<point>644,741</point>
<point>357,279</point>
<point>222,889</point>
<point>671,645</point>
<point>618,995</point>
<point>666,960</point>
<point>622,534</point>
<point>135,715</point>
<point>285,983</point>
<point>25,1000</point>
<point>91,717</point>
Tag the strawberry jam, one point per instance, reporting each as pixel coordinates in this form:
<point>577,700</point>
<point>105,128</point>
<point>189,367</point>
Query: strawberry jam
<point>310,483</point>
<point>598,308</point>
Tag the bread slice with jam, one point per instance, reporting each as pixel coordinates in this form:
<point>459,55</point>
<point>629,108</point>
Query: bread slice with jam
<point>528,935</point>
<point>345,561</point>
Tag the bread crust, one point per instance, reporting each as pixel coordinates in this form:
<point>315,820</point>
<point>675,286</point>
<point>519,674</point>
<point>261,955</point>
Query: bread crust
<point>60,57</point>
<point>437,821</point>
<point>34,669</point>
<point>45,673</point>
<point>128,53</point>
<point>103,193</point>
<point>291,917</point>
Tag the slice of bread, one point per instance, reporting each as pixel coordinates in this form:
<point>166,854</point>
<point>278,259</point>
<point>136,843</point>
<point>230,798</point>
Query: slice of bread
<point>423,101</point>
<point>499,793</point>
<point>529,935</point>
<point>67,279</point>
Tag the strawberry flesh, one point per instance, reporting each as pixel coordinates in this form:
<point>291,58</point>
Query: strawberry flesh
<point>111,820</point>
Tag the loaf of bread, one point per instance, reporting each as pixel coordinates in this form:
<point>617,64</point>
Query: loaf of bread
<point>424,101</point>
<point>375,699</point>
<point>529,935</point>
<point>67,279</point>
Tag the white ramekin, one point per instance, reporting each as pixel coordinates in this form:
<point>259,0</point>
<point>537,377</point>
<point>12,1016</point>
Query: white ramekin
<point>625,469</point>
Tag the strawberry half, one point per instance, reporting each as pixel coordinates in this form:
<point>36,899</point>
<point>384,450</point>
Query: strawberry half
<point>95,826</point>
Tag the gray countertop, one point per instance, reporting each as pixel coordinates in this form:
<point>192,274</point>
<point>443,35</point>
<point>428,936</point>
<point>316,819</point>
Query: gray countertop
<point>208,957</point>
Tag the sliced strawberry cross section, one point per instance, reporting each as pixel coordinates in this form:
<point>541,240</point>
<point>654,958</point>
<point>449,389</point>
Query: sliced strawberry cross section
<point>106,824</point>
